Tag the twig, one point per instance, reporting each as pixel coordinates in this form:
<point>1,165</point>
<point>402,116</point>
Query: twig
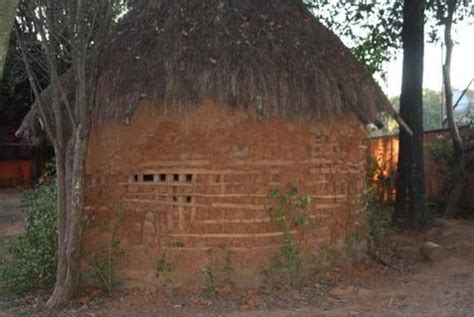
<point>390,303</point>
<point>379,260</point>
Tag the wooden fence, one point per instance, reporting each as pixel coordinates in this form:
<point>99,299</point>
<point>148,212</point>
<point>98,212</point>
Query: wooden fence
<point>384,153</point>
<point>16,165</point>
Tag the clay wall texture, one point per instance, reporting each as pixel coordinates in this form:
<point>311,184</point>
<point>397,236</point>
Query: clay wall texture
<point>196,182</point>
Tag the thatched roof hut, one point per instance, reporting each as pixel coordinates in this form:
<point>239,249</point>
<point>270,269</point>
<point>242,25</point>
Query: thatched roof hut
<point>223,100</point>
<point>174,53</point>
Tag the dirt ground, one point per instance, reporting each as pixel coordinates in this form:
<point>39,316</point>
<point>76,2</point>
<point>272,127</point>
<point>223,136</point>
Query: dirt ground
<point>408,286</point>
<point>10,218</point>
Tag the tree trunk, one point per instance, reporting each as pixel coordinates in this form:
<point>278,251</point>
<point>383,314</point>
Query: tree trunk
<point>71,225</point>
<point>459,178</point>
<point>410,199</point>
<point>62,214</point>
<point>402,181</point>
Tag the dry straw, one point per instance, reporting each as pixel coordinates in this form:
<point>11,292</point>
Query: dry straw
<point>174,53</point>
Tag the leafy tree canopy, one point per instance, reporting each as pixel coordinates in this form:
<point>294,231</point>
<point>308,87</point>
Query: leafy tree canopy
<point>373,28</point>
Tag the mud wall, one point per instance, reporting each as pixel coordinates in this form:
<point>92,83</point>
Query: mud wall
<point>194,183</point>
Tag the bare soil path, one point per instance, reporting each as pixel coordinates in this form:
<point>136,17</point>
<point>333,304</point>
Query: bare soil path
<point>11,224</point>
<point>412,286</point>
<point>10,218</point>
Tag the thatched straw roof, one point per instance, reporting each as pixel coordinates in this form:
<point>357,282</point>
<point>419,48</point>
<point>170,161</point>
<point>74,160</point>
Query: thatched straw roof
<point>176,52</point>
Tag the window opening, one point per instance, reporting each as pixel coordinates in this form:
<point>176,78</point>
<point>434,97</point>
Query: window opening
<point>148,178</point>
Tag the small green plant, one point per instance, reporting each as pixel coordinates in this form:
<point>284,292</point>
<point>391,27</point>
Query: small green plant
<point>210,288</point>
<point>104,262</point>
<point>379,223</point>
<point>163,266</point>
<point>219,273</point>
<point>30,264</point>
<point>291,211</point>
<point>287,262</point>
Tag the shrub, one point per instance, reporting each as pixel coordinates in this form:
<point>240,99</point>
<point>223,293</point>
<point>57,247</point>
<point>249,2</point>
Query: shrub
<point>379,221</point>
<point>104,262</point>
<point>219,273</point>
<point>163,266</point>
<point>286,264</point>
<point>31,262</point>
<point>290,211</point>
<point>210,287</point>
<point>440,152</point>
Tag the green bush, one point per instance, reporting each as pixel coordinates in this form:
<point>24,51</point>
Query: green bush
<point>285,265</point>
<point>31,262</point>
<point>379,221</point>
<point>440,152</point>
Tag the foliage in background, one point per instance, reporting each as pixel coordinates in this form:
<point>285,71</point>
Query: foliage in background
<point>432,110</point>
<point>441,152</point>
<point>441,148</point>
<point>104,262</point>
<point>436,16</point>
<point>371,28</point>
<point>15,92</point>
<point>31,265</point>
<point>432,113</point>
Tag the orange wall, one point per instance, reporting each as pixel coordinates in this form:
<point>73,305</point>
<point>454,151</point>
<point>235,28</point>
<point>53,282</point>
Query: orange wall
<point>15,173</point>
<point>385,151</point>
<point>195,183</point>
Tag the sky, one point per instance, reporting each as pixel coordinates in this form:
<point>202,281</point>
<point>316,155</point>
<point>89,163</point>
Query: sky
<point>462,68</point>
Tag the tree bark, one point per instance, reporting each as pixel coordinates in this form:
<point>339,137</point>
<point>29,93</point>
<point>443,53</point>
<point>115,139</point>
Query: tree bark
<point>459,178</point>
<point>62,218</point>
<point>410,198</point>
<point>71,183</point>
